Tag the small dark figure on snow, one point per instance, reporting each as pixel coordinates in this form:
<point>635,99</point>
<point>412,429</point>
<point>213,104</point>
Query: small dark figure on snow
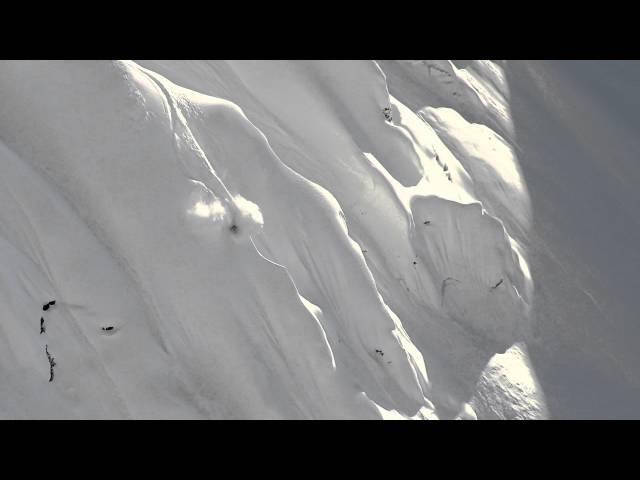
<point>234,228</point>
<point>46,306</point>
<point>387,114</point>
<point>380,352</point>
<point>497,284</point>
<point>107,329</point>
<point>427,222</point>
<point>42,329</point>
<point>52,362</point>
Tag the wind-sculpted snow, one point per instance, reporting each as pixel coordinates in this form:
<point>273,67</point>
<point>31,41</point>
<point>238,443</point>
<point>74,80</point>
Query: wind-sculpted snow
<point>477,89</point>
<point>494,176</point>
<point>266,240</point>
<point>468,253</point>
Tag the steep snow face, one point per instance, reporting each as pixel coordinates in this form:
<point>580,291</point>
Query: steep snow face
<point>478,90</point>
<point>573,131</point>
<point>577,129</point>
<point>488,166</point>
<point>256,240</point>
<point>375,202</point>
<point>494,173</point>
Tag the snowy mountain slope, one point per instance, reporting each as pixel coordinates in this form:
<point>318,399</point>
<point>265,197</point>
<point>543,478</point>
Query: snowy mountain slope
<point>265,238</point>
<point>371,231</point>
<point>572,128</point>
<point>477,90</point>
<point>577,128</point>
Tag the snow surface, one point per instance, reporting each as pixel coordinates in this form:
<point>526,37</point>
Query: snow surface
<point>576,129</point>
<point>264,241</point>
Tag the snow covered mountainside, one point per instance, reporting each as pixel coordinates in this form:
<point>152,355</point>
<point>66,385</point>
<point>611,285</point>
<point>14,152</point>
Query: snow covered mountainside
<point>265,239</point>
